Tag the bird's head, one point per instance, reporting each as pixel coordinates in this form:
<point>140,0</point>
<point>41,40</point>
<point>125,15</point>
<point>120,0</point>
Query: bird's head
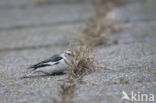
<point>69,54</point>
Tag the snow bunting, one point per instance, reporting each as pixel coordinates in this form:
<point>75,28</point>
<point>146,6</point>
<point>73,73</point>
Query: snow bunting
<point>54,64</point>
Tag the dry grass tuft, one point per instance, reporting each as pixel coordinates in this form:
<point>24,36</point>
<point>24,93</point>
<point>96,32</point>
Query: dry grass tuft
<point>84,63</point>
<point>93,34</point>
<point>99,28</point>
<point>96,33</point>
<point>66,92</point>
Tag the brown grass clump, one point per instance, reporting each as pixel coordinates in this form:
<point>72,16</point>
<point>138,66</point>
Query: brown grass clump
<point>94,34</point>
<point>66,92</point>
<point>84,63</point>
<point>99,28</point>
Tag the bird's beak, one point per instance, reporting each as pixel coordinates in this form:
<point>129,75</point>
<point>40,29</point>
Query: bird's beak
<point>73,55</point>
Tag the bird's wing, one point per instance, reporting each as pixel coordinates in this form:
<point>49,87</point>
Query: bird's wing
<point>48,62</point>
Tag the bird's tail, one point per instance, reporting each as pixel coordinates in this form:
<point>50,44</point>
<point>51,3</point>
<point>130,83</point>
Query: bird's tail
<point>29,75</point>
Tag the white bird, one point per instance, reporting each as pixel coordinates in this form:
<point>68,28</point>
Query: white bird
<point>54,64</point>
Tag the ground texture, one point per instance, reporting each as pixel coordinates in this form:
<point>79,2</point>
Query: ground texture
<point>33,31</point>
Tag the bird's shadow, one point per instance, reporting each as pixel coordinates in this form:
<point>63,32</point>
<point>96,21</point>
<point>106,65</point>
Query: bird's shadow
<point>41,76</point>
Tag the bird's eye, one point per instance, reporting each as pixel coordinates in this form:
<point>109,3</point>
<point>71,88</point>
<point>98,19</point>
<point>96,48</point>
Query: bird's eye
<point>68,53</point>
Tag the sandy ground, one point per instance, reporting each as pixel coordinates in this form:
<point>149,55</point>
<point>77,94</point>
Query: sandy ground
<point>32,33</point>
<point>133,56</point>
